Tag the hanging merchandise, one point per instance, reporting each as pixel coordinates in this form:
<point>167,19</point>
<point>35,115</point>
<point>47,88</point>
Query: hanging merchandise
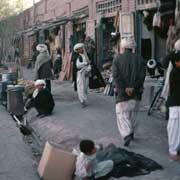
<point>148,19</point>
<point>157,19</point>
<point>96,80</point>
<point>109,89</point>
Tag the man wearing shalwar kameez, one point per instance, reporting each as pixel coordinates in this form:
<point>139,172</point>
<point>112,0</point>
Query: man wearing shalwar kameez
<point>43,65</point>
<point>83,71</point>
<point>173,127</point>
<point>168,63</point>
<point>41,99</point>
<point>129,74</point>
<point>87,165</point>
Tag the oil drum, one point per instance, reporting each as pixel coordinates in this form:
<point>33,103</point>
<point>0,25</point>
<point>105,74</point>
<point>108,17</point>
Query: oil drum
<point>15,102</point>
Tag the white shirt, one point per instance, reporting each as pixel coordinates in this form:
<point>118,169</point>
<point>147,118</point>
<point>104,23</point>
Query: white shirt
<point>81,162</point>
<point>82,64</point>
<point>35,93</point>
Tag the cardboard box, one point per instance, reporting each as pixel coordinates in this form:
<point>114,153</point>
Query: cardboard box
<point>56,164</point>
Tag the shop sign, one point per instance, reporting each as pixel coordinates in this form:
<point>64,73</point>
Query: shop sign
<point>126,25</point>
<point>90,28</point>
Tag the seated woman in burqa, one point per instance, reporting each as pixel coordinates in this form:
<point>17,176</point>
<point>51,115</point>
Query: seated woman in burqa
<point>41,99</point>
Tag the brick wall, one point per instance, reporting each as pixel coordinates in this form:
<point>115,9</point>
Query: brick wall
<point>128,5</point>
<point>51,9</point>
<point>78,4</point>
<point>39,12</point>
<point>56,8</point>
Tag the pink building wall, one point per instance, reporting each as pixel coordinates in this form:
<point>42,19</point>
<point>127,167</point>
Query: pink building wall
<point>128,5</point>
<point>46,10</point>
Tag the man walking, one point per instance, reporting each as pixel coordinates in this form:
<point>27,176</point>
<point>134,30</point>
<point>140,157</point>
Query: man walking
<point>129,75</point>
<point>43,65</point>
<point>83,71</point>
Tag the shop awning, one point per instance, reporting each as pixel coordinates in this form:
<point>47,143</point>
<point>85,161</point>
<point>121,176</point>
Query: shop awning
<point>46,25</point>
<point>163,5</point>
<point>29,31</point>
<point>57,22</point>
<point>80,13</point>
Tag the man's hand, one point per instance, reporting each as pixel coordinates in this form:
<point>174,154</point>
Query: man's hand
<point>129,91</point>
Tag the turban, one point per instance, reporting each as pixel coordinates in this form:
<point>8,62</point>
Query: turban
<point>77,46</point>
<point>177,45</point>
<point>39,82</point>
<point>41,48</point>
<point>128,43</point>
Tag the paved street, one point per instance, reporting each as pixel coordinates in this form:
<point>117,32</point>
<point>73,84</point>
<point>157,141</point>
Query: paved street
<point>70,123</point>
<point>50,35</point>
<point>16,159</point>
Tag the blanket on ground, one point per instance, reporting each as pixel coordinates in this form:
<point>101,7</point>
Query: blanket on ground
<point>127,163</point>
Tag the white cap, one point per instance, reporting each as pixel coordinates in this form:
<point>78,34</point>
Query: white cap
<point>77,46</point>
<point>128,43</point>
<point>177,45</point>
<point>39,82</point>
<point>41,48</point>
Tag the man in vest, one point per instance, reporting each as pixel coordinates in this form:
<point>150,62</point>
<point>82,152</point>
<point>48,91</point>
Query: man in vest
<point>129,75</point>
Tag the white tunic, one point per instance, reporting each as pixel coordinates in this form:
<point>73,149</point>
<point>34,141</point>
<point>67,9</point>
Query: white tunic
<point>82,78</point>
<point>98,169</point>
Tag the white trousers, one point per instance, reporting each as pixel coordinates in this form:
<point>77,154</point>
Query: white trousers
<point>173,130</point>
<point>126,113</point>
<point>103,168</point>
<point>82,86</point>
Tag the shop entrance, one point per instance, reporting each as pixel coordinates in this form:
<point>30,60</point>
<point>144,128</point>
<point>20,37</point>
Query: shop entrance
<point>104,40</point>
<point>79,32</point>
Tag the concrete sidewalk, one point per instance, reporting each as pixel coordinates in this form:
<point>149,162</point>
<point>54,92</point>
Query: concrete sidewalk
<point>70,123</point>
<point>16,160</point>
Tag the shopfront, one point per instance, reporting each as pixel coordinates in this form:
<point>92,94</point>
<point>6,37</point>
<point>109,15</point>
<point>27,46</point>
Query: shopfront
<point>104,40</point>
<point>105,24</point>
<point>79,19</point>
<point>153,21</point>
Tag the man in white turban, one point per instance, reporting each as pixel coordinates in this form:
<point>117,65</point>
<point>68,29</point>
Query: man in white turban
<point>129,74</point>
<point>43,65</point>
<point>83,71</point>
<point>41,99</point>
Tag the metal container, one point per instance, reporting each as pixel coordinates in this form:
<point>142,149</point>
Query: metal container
<point>13,76</point>
<point>15,103</point>
<point>10,76</point>
<point>4,85</point>
<point>4,77</point>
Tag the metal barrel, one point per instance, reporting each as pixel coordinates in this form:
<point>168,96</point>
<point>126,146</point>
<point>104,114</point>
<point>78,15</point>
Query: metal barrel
<point>10,76</point>
<point>4,85</point>
<point>15,103</point>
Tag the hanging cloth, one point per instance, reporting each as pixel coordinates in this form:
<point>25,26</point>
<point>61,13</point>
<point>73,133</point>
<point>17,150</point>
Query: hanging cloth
<point>157,19</point>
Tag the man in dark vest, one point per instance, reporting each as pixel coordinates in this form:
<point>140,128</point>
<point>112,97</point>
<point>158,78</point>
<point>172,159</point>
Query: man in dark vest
<point>129,74</point>
<point>41,99</point>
